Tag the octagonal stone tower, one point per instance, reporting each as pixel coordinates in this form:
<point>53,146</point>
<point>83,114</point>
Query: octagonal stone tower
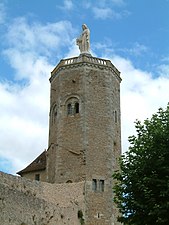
<point>84,134</point>
<point>85,129</point>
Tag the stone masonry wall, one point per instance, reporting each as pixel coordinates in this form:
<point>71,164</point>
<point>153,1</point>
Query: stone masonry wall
<point>31,175</point>
<point>25,202</point>
<point>66,156</point>
<point>87,144</point>
<point>103,135</point>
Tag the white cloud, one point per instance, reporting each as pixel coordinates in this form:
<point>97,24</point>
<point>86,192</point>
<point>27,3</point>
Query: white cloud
<point>104,13</point>
<point>86,4</point>
<point>73,50</point>
<point>107,9</point>
<point>41,39</point>
<point>2,13</point>
<point>108,13</point>
<point>25,107</point>
<point>68,4</point>
<point>136,49</point>
<point>163,70</point>
<point>109,3</point>
<point>118,2</point>
<point>165,59</point>
<point>24,118</point>
<point>141,94</point>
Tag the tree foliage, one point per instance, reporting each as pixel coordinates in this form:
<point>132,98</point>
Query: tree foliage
<point>142,184</point>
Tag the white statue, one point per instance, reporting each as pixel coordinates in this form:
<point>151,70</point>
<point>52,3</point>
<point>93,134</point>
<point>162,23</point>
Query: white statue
<point>84,40</point>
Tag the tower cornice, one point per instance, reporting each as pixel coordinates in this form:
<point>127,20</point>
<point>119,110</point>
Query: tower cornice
<point>85,59</point>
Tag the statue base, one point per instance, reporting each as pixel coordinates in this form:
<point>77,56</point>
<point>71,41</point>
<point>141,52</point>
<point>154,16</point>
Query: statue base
<point>85,53</point>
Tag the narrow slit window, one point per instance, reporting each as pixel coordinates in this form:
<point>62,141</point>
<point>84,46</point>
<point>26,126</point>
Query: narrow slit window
<point>76,107</point>
<point>69,109</point>
<point>101,185</point>
<point>94,185</point>
<point>115,116</point>
<point>54,115</point>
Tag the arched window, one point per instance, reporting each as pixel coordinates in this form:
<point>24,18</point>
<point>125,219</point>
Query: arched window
<point>69,109</point>
<point>69,181</point>
<point>76,107</point>
<point>72,106</point>
<point>53,113</point>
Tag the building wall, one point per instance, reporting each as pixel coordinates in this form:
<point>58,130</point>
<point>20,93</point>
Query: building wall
<point>26,202</point>
<point>103,135</point>
<point>32,175</point>
<point>65,157</point>
<point>86,146</point>
<point>82,154</point>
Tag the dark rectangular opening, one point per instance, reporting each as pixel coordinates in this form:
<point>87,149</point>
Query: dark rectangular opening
<point>101,185</point>
<point>94,185</point>
<point>37,176</point>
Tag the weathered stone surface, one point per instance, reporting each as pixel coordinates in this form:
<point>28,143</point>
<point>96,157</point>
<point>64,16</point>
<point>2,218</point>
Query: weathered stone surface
<point>26,202</point>
<point>84,146</point>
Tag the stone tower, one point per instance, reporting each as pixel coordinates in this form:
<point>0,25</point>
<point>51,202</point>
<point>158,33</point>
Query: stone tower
<point>84,130</point>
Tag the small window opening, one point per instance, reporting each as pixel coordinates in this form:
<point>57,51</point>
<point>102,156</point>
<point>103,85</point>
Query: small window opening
<point>73,106</point>
<point>101,185</point>
<point>115,116</point>
<point>94,185</point>
<point>37,177</point>
<point>76,107</point>
<point>69,109</point>
<point>80,216</point>
<point>69,181</point>
<point>98,185</point>
<point>54,114</point>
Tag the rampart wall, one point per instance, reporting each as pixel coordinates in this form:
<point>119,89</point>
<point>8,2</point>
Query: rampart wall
<point>26,202</point>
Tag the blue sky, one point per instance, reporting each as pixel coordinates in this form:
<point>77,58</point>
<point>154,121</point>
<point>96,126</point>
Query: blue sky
<point>35,35</point>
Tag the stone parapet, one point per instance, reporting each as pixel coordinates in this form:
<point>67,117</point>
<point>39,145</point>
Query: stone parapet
<point>85,59</point>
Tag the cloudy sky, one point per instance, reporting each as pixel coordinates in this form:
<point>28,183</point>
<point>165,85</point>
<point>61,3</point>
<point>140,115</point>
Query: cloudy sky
<point>36,34</point>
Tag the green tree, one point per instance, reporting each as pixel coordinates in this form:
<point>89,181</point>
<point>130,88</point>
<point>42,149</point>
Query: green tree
<point>142,184</point>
